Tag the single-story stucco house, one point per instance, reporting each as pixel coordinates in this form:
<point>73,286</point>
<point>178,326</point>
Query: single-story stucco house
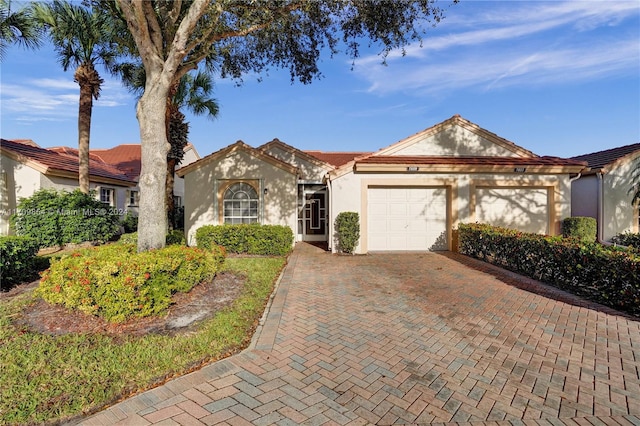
<point>605,190</point>
<point>409,196</point>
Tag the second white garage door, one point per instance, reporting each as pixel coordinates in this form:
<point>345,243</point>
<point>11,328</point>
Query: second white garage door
<point>407,219</point>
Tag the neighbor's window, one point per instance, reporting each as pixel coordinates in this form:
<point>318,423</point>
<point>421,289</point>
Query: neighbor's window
<point>241,204</point>
<point>134,198</point>
<point>107,196</point>
<point>177,201</point>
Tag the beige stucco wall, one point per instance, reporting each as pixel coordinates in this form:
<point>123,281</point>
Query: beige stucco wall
<point>618,212</point>
<point>348,193</point>
<point>202,206</point>
<point>454,141</point>
<point>309,171</point>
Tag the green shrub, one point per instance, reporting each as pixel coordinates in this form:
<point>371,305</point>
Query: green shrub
<point>17,256</point>
<point>129,222</point>
<point>628,239</point>
<point>174,237</point>
<point>116,283</point>
<point>347,226</point>
<point>56,218</point>
<point>608,275</point>
<point>265,240</point>
<point>583,228</point>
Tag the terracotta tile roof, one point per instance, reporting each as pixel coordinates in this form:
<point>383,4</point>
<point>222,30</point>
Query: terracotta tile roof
<point>600,159</point>
<point>51,162</point>
<point>492,161</point>
<point>126,157</point>
<point>336,159</point>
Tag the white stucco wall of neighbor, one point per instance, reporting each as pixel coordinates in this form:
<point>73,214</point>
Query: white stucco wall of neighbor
<point>206,185</point>
<point>531,203</point>
<point>618,214</point>
<point>16,181</point>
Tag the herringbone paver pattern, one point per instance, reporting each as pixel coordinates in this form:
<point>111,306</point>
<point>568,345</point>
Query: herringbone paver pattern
<point>408,338</point>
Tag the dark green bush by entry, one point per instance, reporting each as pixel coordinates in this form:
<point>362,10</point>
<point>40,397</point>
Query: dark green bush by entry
<point>116,283</point>
<point>265,240</point>
<point>583,228</point>
<point>605,274</point>
<point>347,226</point>
<point>17,256</point>
<point>628,239</point>
<point>56,218</point>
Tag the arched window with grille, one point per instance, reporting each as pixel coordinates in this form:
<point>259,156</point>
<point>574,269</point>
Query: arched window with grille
<point>241,204</point>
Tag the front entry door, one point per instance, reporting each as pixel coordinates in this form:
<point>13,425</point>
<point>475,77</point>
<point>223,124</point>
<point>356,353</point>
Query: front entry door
<point>314,215</point>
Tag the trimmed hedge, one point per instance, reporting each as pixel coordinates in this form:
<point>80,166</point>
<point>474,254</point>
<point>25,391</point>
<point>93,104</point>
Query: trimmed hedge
<point>265,240</point>
<point>347,226</point>
<point>173,237</point>
<point>17,256</point>
<point>116,283</point>
<point>583,228</point>
<point>608,275</point>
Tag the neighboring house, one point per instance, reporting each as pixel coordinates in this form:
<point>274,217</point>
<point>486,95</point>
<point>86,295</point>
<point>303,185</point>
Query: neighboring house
<point>26,168</point>
<point>127,158</point>
<point>605,191</point>
<point>114,174</point>
<point>409,195</point>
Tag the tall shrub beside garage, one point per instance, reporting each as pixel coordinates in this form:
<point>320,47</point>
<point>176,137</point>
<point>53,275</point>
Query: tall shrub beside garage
<point>347,226</point>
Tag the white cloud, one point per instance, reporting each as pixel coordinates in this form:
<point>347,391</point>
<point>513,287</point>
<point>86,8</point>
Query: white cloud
<point>517,43</point>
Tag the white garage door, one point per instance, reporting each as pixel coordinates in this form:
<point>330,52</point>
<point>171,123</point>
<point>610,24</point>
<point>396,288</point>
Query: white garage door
<point>407,219</point>
<point>525,209</point>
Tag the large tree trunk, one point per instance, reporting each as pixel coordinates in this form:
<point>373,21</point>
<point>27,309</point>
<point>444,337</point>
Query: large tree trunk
<point>152,218</point>
<point>84,131</point>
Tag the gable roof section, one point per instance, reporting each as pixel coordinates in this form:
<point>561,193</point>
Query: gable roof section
<point>238,146</point>
<point>456,120</point>
<point>50,162</point>
<point>603,160</point>
<point>277,143</point>
<point>398,163</point>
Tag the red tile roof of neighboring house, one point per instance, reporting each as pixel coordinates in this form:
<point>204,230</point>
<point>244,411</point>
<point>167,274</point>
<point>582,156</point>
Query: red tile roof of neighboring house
<point>125,157</point>
<point>336,159</point>
<point>600,159</point>
<point>65,163</point>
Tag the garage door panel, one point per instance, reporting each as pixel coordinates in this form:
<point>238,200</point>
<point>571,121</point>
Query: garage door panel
<point>407,219</point>
<point>525,209</point>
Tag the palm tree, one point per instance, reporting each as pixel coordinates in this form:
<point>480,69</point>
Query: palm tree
<point>17,27</point>
<point>192,93</point>
<point>81,38</point>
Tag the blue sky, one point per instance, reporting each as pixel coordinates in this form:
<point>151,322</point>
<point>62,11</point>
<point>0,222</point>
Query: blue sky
<point>558,78</point>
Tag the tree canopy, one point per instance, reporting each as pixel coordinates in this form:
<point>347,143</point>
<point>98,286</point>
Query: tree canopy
<point>238,36</point>
<point>17,27</point>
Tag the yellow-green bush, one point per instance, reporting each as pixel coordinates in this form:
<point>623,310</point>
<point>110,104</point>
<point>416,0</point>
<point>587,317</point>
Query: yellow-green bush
<point>117,283</point>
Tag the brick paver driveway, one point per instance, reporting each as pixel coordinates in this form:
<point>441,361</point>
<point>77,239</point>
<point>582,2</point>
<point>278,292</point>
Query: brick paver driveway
<point>394,338</point>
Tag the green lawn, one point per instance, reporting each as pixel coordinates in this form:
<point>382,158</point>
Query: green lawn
<point>49,378</point>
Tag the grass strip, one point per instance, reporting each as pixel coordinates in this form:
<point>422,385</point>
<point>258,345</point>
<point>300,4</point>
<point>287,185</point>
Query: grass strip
<point>48,379</point>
